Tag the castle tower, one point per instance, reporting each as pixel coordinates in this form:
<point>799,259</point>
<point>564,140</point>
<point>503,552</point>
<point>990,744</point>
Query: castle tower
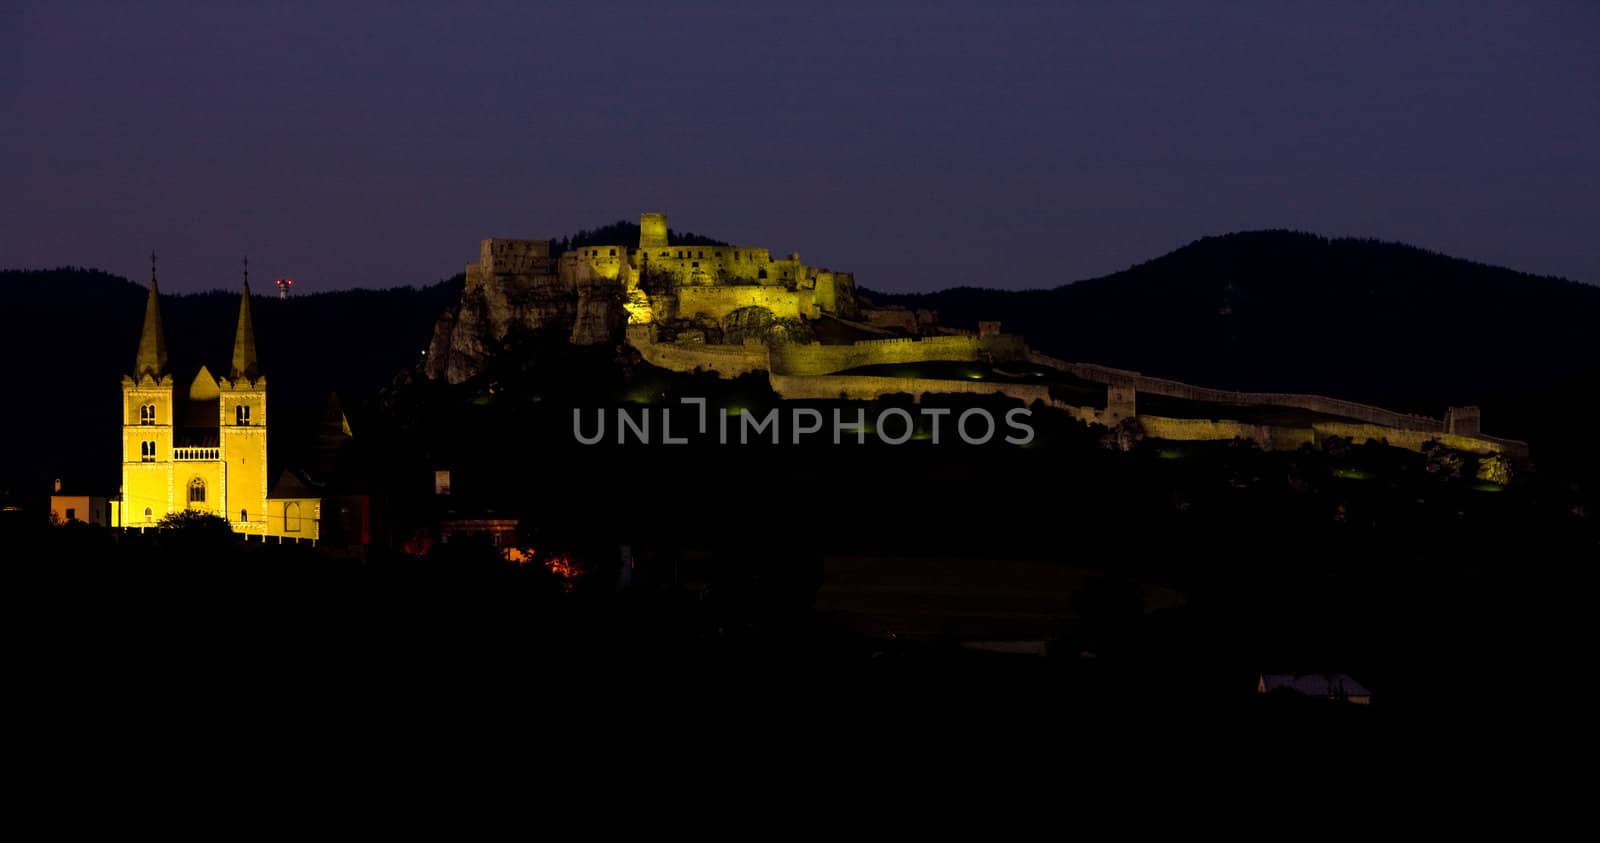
<point>242,428</point>
<point>147,423</point>
<point>653,231</point>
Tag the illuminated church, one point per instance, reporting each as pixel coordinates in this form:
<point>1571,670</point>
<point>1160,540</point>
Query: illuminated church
<point>208,451</point>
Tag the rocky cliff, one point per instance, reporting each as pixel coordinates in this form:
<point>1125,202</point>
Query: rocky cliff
<point>529,297</point>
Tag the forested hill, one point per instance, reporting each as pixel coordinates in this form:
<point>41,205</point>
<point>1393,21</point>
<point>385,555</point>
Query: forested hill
<point>1272,310</point>
<point>69,335</point>
<point>1288,311</point>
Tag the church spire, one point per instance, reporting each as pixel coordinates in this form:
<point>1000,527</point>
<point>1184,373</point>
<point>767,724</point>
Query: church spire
<point>152,359</point>
<point>244,337</point>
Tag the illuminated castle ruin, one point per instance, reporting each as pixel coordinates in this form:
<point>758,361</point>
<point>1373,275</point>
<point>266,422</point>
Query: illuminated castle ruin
<point>593,292</point>
<point>736,310</point>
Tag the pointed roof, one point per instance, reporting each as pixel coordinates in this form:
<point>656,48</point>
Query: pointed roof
<point>152,359</point>
<point>204,386</point>
<point>335,425</point>
<point>244,341</point>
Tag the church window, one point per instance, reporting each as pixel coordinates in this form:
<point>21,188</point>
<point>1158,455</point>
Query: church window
<point>197,491</point>
<point>147,414</point>
<point>241,414</point>
<point>148,515</point>
<point>291,518</point>
<point>147,451</point>
<point>244,515</point>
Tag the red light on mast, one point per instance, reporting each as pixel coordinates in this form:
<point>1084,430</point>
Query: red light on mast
<point>283,287</point>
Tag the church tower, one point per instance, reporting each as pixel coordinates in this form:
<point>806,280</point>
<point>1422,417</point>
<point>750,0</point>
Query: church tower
<point>242,427</point>
<point>147,422</point>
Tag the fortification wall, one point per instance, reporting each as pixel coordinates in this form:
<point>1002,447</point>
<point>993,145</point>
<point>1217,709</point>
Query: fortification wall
<point>1209,430</point>
<point>726,360</point>
<point>585,265</point>
<point>718,302</point>
<point>818,359</point>
<point>501,256</point>
<point>868,387</point>
<point>1413,440</point>
<point>1190,392</point>
<point>708,264</point>
<point>1281,438</point>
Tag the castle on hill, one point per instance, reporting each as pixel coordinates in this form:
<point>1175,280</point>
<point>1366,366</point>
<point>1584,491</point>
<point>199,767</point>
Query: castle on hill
<point>205,449</point>
<point>739,310</point>
<point>711,293</point>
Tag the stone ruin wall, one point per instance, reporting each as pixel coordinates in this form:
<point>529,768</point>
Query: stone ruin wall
<point>1190,392</point>
<point>818,359</point>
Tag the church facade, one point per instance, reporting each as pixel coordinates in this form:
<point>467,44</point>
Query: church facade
<point>205,450</point>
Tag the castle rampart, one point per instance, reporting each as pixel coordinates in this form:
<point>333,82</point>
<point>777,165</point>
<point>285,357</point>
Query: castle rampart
<point>1189,392</point>
<point>818,359</point>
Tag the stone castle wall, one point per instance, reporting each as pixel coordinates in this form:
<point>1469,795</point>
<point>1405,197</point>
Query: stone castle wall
<point>718,302</point>
<point>1284,438</point>
<point>729,361</point>
<point>817,359</point>
<point>1177,389</point>
<point>869,387</point>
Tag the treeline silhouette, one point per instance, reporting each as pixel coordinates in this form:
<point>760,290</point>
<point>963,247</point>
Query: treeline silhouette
<point>1273,310</point>
<point>1365,320</point>
<point>72,334</point>
<point>623,233</point>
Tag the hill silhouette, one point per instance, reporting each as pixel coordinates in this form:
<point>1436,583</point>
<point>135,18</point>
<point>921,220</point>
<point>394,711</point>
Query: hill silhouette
<point>1271,310</point>
<point>70,335</point>
<point>1289,311</point>
<point>1365,320</point>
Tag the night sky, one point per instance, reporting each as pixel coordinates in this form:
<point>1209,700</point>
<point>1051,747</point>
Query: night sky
<point>922,145</point>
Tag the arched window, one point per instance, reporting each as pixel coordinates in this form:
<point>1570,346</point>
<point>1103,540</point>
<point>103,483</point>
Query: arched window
<point>197,491</point>
<point>241,414</point>
<point>291,517</point>
<point>147,414</point>
<point>244,515</point>
<point>148,515</point>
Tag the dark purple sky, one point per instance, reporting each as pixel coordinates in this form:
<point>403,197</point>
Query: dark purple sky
<point>921,145</point>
